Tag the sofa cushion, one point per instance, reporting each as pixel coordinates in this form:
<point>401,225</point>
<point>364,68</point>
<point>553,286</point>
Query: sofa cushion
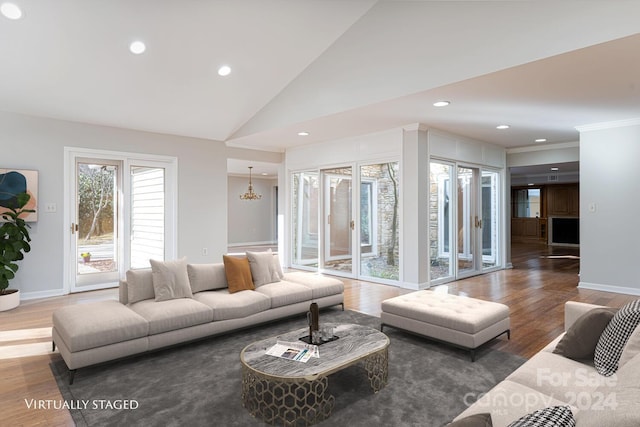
<point>631,348</point>
<point>507,402</point>
<point>139,285</point>
<point>238,273</point>
<point>96,324</point>
<point>262,266</point>
<point>205,277</point>
<point>617,407</point>
<point>553,416</point>
<point>285,293</point>
<point>165,316</point>
<point>559,377</point>
<point>475,420</point>
<point>170,279</point>
<point>321,286</point>
<point>582,337</point>
<point>226,305</point>
<point>615,336</point>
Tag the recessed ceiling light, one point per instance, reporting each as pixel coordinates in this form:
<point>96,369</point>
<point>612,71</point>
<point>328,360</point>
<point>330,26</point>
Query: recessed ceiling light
<point>441,103</point>
<point>137,47</point>
<point>303,133</point>
<point>531,183</point>
<point>541,140</point>
<point>554,168</point>
<point>502,127</point>
<point>11,11</point>
<point>225,70</point>
<point>264,174</point>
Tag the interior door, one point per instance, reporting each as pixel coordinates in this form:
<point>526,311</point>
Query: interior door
<point>468,221</point>
<point>339,226</point>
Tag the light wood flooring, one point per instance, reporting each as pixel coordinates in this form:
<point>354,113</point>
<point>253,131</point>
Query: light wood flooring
<point>535,291</point>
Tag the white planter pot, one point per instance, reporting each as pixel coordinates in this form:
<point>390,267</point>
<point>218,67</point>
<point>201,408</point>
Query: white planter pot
<point>9,301</point>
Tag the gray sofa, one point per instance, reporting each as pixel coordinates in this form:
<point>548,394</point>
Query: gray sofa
<point>549,379</point>
<point>96,332</point>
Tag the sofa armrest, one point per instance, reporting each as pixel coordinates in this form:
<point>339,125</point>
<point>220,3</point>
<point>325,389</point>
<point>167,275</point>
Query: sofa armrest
<point>573,310</point>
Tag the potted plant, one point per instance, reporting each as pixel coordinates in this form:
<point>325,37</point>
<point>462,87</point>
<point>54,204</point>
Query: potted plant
<point>14,243</point>
<point>86,256</point>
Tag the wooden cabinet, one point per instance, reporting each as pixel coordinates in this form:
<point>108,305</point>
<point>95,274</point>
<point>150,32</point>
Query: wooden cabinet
<point>563,200</point>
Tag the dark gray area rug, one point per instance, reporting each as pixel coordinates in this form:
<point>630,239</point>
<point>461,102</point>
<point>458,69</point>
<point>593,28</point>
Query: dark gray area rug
<point>200,383</point>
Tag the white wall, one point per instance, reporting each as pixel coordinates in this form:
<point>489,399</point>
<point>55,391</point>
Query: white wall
<point>251,221</point>
<point>37,143</point>
<point>609,185</point>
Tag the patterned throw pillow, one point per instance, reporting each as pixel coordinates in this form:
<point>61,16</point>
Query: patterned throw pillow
<point>615,337</point>
<point>553,416</point>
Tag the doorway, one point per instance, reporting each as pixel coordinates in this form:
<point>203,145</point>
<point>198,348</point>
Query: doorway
<point>464,221</point>
<point>121,213</point>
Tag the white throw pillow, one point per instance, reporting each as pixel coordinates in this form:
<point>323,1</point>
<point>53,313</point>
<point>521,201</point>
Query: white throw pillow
<point>170,279</point>
<point>139,285</point>
<point>205,277</point>
<point>262,266</point>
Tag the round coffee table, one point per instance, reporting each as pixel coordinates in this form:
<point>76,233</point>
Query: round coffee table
<point>293,393</point>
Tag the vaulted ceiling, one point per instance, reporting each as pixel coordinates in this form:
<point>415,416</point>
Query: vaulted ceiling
<point>333,68</point>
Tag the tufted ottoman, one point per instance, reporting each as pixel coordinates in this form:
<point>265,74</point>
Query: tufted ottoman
<point>461,321</point>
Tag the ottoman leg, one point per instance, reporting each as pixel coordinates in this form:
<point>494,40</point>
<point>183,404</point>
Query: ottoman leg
<point>72,374</point>
<point>473,355</point>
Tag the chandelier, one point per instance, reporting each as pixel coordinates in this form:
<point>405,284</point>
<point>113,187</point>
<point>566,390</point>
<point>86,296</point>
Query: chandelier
<point>250,195</point>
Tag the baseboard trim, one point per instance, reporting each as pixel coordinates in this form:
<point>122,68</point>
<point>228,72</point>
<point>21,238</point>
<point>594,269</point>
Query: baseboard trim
<point>609,288</point>
<point>42,294</point>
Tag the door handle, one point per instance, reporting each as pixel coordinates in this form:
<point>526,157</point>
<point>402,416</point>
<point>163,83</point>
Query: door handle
<point>353,224</point>
<point>74,228</point>
<point>478,222</point>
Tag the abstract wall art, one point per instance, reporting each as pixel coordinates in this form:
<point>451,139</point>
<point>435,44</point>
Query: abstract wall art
<point>14,182</point>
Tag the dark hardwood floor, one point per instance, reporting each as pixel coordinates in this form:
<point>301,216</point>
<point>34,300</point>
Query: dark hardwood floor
<point>541,281</point>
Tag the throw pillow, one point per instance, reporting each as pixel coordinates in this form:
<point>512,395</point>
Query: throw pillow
<point>632,348</point>
<point>553,416</point>
<point>262,268</point>
<point>170,279</point>
<point>616,404</point>
<point>205,277</point>
<point>615,337</point>
<point>277,267</point>
<point>139,285</point>
<point>582,337</point>
<point>238,274</point>
<point>475,420</point>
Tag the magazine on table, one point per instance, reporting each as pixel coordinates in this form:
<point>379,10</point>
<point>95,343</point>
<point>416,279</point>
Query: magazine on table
<point>297,351</point>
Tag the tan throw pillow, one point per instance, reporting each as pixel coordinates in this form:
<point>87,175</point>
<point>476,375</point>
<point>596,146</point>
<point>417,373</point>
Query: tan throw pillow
<point>139,285</point>
<point>582,337</point>
<point>170,279</point>
<point>263,269</point>
<point>238,274</point>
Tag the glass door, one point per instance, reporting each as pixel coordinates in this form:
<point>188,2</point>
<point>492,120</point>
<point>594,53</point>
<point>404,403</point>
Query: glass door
<point>338,223</point>
<point>490,219</point>
<point>95,231</point>
<point>467,221</point>
<point>379,232</point>
<point>441,205</point>
<point>305,201</point>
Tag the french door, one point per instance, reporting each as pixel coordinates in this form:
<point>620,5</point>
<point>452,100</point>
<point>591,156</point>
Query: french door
<point>121,213</point>
<point>339,224</point>
<point>464,221</point>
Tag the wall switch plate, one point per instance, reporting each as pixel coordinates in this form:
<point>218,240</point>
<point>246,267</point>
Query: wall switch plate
<point>592,207</point>
<point>50,208</point>
<point>205,251</point>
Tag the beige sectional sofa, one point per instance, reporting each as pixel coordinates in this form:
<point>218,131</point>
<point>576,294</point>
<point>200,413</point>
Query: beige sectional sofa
<point>549,379</point>
<point>87,334</point>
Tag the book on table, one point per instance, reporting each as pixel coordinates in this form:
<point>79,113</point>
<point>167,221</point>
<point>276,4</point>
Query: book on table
<point>297,351</point>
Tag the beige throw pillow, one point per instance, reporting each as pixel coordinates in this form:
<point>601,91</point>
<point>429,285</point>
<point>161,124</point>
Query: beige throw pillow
<point>263,270</point>
<point>139,285</point>
<point>205,277</point>
<point>170,279</point>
